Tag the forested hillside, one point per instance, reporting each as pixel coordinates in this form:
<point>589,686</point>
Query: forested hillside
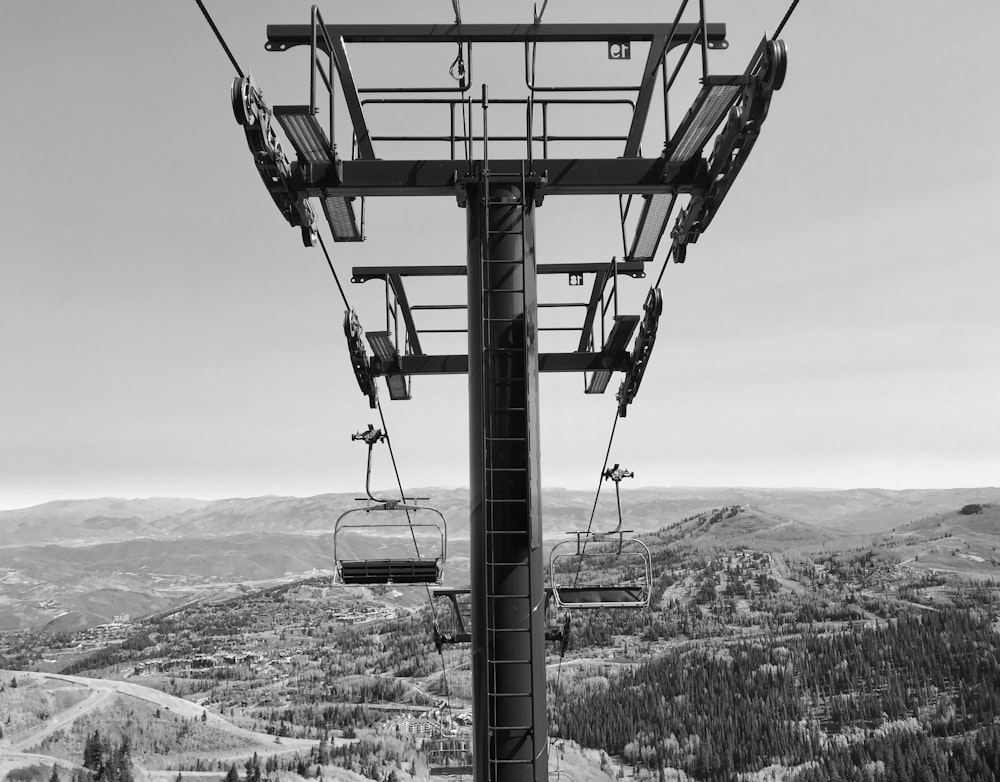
<point>753,661</point>
<point>921,682</point>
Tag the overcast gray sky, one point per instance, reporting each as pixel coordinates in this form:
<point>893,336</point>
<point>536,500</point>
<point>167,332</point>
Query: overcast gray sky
<point>163,332</point>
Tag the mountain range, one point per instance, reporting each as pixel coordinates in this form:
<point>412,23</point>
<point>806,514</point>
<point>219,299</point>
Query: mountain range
<point>73,563</point>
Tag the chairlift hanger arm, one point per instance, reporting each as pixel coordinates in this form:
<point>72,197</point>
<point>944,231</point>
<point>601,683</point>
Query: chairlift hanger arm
<point>370,437</point>
<point>618,474</point>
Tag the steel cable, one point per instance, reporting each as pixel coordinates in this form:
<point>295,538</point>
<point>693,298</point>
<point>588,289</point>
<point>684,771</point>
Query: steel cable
<point>787,16</point>
<point>222,40</point>
<point>395,469</point>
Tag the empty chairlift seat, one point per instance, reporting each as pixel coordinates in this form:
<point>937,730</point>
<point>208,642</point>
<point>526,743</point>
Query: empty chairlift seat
<point>449,753</point>
<point>390,543</point>
<point>449,757</point>
<point>600,570</point>
<point>390,571</point>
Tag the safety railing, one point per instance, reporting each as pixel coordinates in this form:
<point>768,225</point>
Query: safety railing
<point>317,31</point>
<point>468,137</point>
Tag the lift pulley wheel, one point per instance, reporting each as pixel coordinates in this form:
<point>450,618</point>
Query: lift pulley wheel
<point>777,65</point>
<point>244,103</point>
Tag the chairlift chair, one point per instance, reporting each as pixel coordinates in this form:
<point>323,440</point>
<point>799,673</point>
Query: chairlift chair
<point>449,755</point>
<point>395,515</point>
<point>560,776</point>
<point>611,553</point>
<point>449,750</point>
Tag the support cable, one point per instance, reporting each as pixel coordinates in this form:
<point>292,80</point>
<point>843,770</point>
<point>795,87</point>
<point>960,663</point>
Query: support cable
<point>788,15</point>
<point>604,467</point>
<point>336,279</point>
<point>427,589</point>
<point>222,40</point>
<point>590,523</point>
<point>399,483</point>
<point>593,510</point>
<point>666,263</point>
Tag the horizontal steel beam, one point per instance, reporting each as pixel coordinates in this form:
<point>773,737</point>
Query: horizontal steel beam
<point>562,176</point>
<point>457,364</point>
<point>365,273</point>
<point>286,36</point>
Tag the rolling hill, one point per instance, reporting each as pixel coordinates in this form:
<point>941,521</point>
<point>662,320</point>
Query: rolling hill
<point>76,563</point>
<point>753,528</point>
<point>50,714</point>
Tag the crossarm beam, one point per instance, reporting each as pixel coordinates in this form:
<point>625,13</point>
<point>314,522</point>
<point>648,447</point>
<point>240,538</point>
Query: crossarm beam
<point>365,273</point>
<point>458,364</point>
<point>281,37</point>
<point>563,176</point>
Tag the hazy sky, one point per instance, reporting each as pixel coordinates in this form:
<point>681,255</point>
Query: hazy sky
<point>163,332</point>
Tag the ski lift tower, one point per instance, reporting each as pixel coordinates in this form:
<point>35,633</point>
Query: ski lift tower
<point>500,197</point>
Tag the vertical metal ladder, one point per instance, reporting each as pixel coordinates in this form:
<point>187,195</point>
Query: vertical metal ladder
<point>507,469</point>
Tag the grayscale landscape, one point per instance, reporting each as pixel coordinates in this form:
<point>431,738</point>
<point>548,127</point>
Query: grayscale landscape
<point>482,263</point>
<point>210,634</point>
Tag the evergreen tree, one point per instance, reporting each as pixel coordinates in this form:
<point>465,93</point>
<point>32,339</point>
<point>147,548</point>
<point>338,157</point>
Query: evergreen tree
<point>93,752</point>
<point>253,769</point>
